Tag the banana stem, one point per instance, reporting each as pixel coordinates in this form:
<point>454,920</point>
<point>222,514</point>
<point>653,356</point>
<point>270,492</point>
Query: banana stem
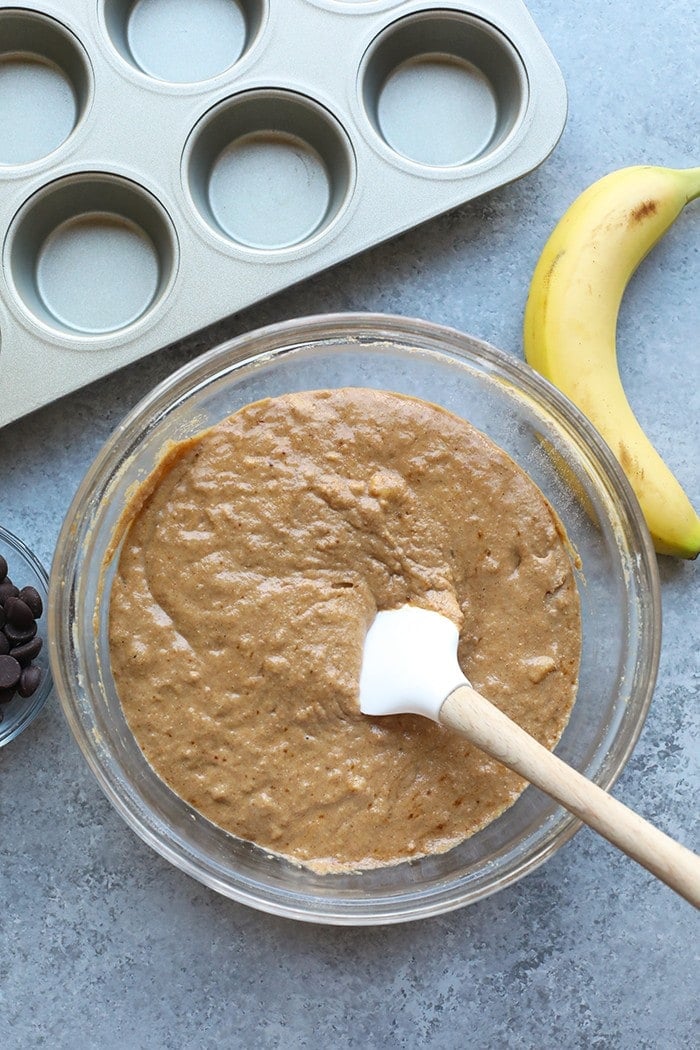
<point>692,176</point>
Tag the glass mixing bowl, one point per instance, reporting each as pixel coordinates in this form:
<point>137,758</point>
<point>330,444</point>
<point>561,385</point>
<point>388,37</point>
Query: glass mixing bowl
<point>541,431</point>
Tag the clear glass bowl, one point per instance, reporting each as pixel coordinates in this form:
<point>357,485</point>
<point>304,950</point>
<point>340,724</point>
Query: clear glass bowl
<point>25,570</point>
<point>541,430</point>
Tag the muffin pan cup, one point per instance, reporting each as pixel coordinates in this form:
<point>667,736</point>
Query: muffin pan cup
<point>45,86</point>
<point>212,155</point>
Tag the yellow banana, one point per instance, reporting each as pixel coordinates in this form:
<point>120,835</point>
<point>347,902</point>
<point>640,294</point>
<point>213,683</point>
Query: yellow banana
<point>571,321</point>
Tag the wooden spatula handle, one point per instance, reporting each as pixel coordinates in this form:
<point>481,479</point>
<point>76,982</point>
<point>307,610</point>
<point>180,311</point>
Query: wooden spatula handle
<point>469,713</point>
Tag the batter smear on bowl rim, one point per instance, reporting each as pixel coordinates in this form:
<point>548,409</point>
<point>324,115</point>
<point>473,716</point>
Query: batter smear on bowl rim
<point>254,559</point>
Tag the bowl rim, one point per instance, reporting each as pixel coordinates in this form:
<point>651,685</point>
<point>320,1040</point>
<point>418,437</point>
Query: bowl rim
<point>282,337</point>
<point>37,700</point>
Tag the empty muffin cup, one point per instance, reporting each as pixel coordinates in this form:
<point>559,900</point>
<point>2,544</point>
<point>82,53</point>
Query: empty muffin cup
<point>180,42</point>
<point>269,169</point>
<point>91,253</point>
<point>45,86</point>
<point>443,89</point>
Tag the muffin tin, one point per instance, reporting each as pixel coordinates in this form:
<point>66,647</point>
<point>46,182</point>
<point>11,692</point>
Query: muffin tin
<point>164,164</point>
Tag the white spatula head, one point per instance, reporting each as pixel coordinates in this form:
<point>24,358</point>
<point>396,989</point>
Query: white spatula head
<point>409,663</point>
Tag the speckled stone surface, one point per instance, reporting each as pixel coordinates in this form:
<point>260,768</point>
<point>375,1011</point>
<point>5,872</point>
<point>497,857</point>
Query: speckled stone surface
<point>103,944</point>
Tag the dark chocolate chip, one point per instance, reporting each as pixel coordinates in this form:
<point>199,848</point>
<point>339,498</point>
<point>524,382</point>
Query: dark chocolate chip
<point>9,672</point>
<point>29,681</point>
<point>19,640</point>
<point>31,596</point>
<point>17,637</point>
<point>18,614</point>
<point>8,590</point>
<point>25,653</point>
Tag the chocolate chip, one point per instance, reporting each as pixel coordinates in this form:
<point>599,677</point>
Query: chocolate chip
<point>20,642</point>
<point>25,653</point>
<point>9,672</point>
<point>17,637</point>
<point>8,590</point>
<point>18,614</point>
<point>29,681</point>
<point>32,598</point>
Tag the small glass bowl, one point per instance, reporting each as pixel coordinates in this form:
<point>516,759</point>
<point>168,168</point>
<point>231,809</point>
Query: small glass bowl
<point>542,431</point>
<point>25,570</point>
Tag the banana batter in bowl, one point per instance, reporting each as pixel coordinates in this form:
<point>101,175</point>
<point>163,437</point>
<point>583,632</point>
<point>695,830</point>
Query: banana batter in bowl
<point>254,559</point>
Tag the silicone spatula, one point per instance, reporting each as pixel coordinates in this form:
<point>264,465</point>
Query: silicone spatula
<point>410,666</point>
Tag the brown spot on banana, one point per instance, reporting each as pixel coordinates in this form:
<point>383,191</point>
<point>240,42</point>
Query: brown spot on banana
<point>643,211</point>
<point>547,278</point>
<point>629,462</point>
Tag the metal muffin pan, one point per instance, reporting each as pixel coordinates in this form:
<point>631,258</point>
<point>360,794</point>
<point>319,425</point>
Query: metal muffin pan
<point>164,164</point>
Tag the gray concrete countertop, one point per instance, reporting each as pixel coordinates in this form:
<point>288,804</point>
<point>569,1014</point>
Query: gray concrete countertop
<point>103,944</point>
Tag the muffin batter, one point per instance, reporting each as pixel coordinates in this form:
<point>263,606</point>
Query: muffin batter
<point>254,560</point>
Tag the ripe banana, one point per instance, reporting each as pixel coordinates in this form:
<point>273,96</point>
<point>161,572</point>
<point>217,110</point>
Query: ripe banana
<point>571,321</point>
